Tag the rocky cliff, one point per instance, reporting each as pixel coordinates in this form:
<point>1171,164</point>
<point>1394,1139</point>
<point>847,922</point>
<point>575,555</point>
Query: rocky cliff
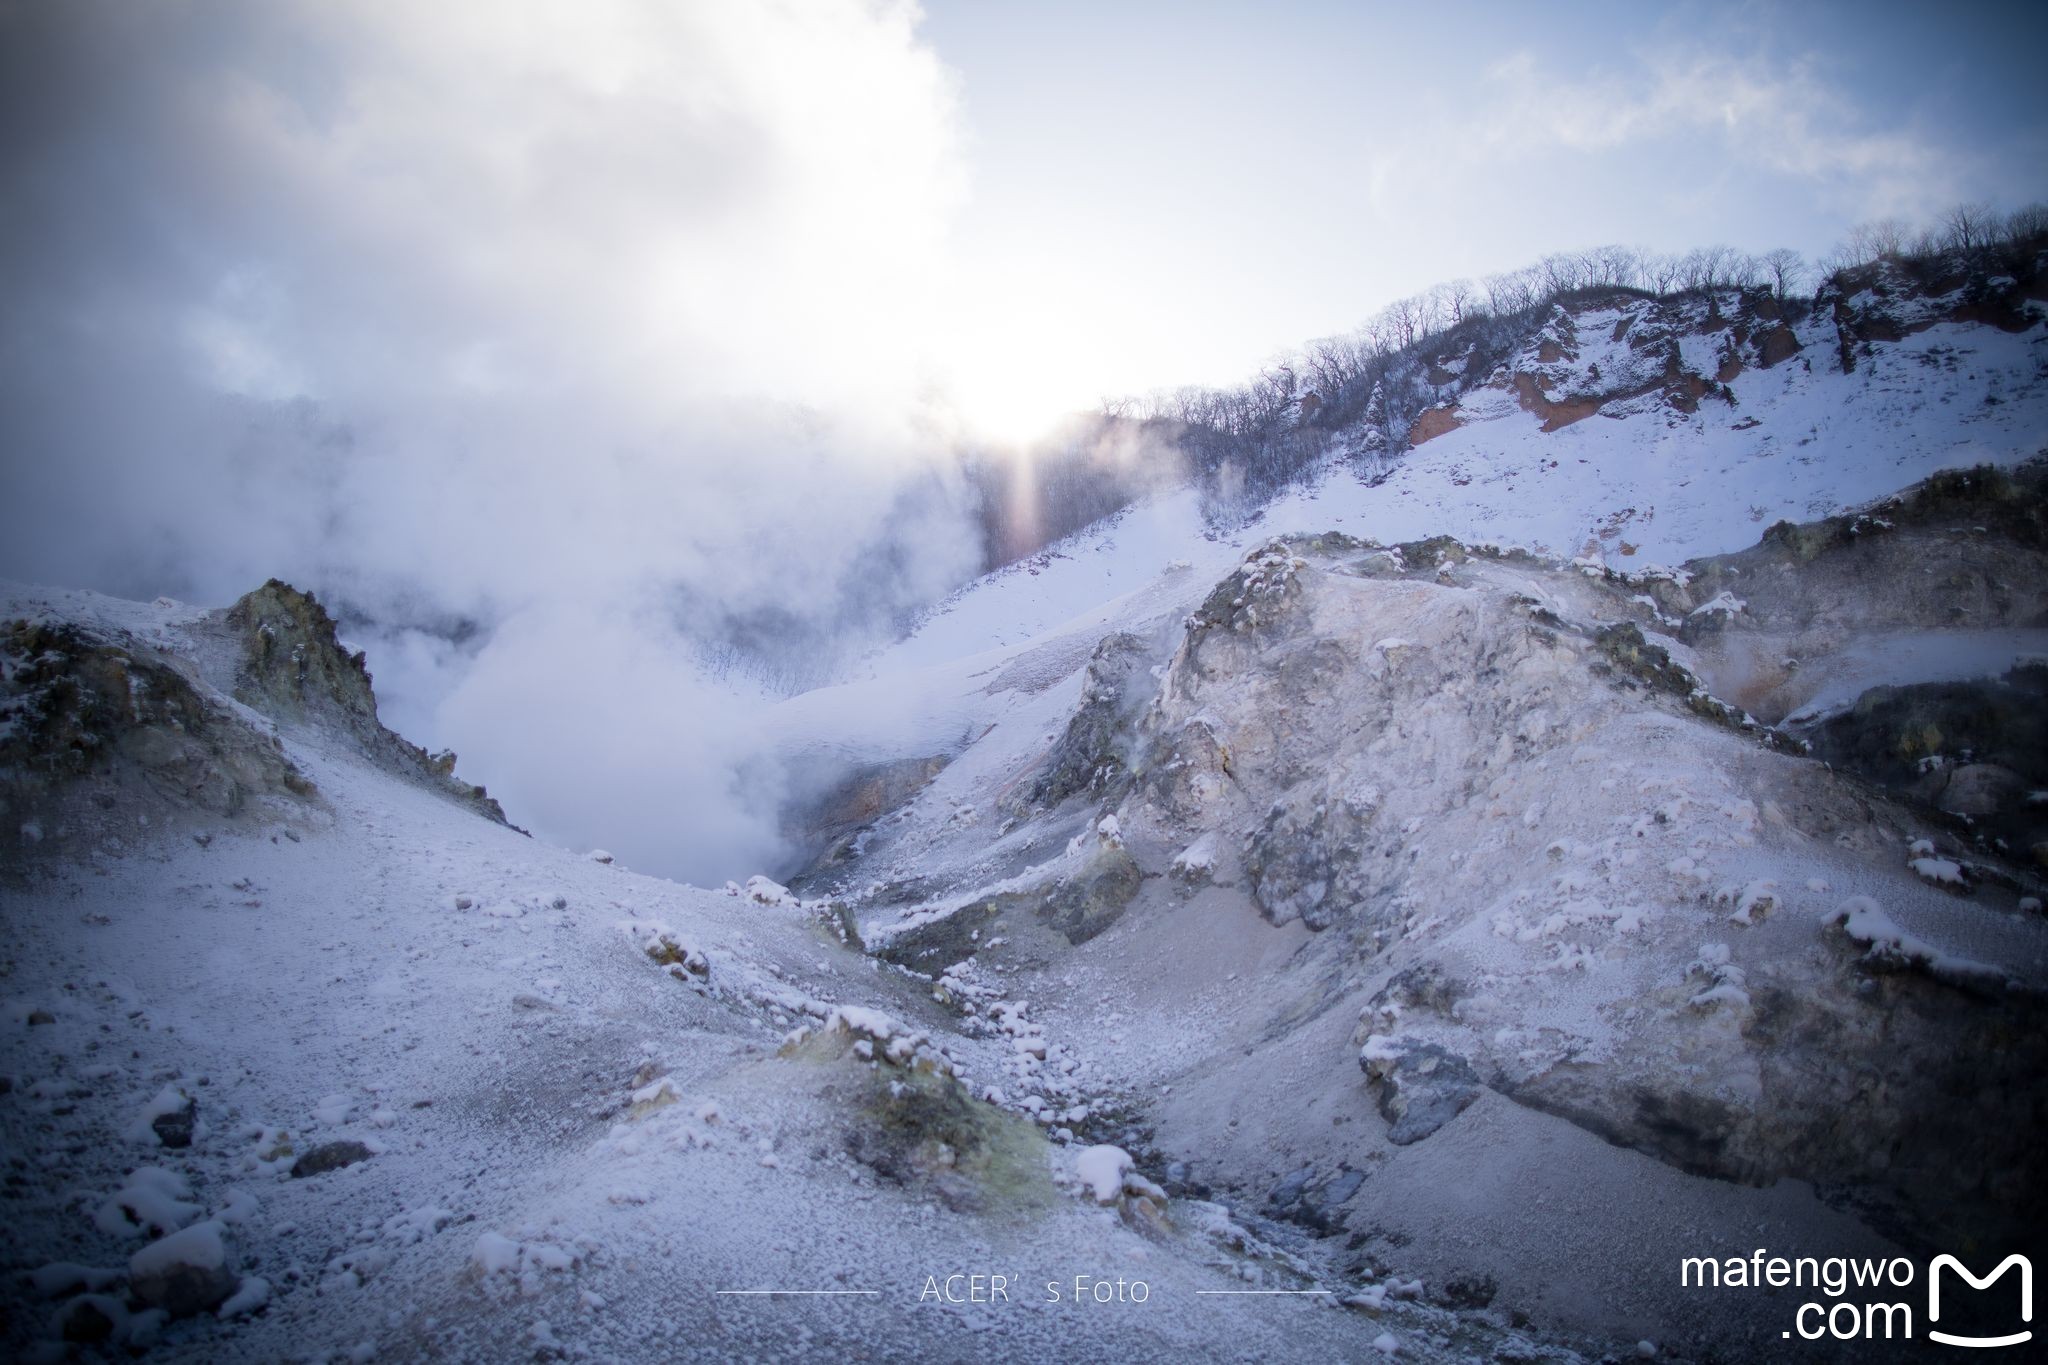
<point>1563,836</point>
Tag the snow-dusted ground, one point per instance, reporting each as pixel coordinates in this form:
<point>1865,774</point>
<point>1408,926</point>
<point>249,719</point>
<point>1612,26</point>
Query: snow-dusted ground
<point>306,988</point>
<point>572,1151</point>
<point>566,1149</point>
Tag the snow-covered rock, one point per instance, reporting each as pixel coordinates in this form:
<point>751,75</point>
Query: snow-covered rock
<point>185,1273</point>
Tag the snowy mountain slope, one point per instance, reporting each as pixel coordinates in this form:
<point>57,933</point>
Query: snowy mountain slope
<point>1479,829</point>
<point>379,1077</point>
<point>1440,926</point>
<point>1637,483</point>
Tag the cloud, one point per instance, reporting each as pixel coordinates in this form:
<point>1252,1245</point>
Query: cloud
<point>593,336</point>
<point>1715,108</point>
<point>1781,117</point>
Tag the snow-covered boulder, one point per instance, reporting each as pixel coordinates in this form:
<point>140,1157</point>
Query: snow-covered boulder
<point>1108,1176</point>
<point>184,1273</point>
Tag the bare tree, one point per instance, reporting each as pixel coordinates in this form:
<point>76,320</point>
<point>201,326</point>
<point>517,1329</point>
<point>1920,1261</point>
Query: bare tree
<point>1969,227</point>
<point>1460,298</point>
<point>1327,368</point>
<point>1720,267</point>
<point>1619,266</point>
<point>1876,240</point>
<point>1510,293</point>
<point>2027,223</point>
<point>1693,270</point>
<point>1378,332</point>
<point>1834,263</point>
<point>1435,312</point>
<point>1562,272</point>
<point>1404,318</point>
<point>1785,269</point>
<point>1661,273</point>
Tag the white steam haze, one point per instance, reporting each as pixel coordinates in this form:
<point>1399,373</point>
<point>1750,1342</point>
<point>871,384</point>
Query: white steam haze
<point>575,351</point>
<point>579,328</point>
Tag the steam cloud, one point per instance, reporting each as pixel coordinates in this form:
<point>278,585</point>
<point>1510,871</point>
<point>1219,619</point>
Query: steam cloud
<point>561,346</point>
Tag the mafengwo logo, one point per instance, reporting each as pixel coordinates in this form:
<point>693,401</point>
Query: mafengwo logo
<point>2026,1269</point>
<point>1848,1320</point>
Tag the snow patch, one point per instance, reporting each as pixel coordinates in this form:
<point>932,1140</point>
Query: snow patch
<point>1102,1170</point>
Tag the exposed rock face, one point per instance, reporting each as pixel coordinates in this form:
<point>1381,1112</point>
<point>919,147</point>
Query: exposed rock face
<point>1303,672</point>
<point>831,821</point>
<point>1963,549</point>
<point>1432,423</point>
<point>1849,1072</point>
<point>293,668</point>
<point>1957,561</point>
<point>1083,905</point>
<point>1303,860</point>
<point>1554,413</point>
<point>1315,1202</point>
<point>1618,352</point>
<point>92,719</point>
<point>1649,355</point>
<point>1091,752</point>
<point>1777,346</point>
<point>104,732</point>
<point>1076,903</point>
<point>1889,300</point>
<point>1553,835</point>
<point>1421,1087</point>
<point>292,664</point>
<point>1974,750</point>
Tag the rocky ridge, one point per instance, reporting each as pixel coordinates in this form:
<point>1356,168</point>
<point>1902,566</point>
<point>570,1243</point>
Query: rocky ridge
<point>110,720</point>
